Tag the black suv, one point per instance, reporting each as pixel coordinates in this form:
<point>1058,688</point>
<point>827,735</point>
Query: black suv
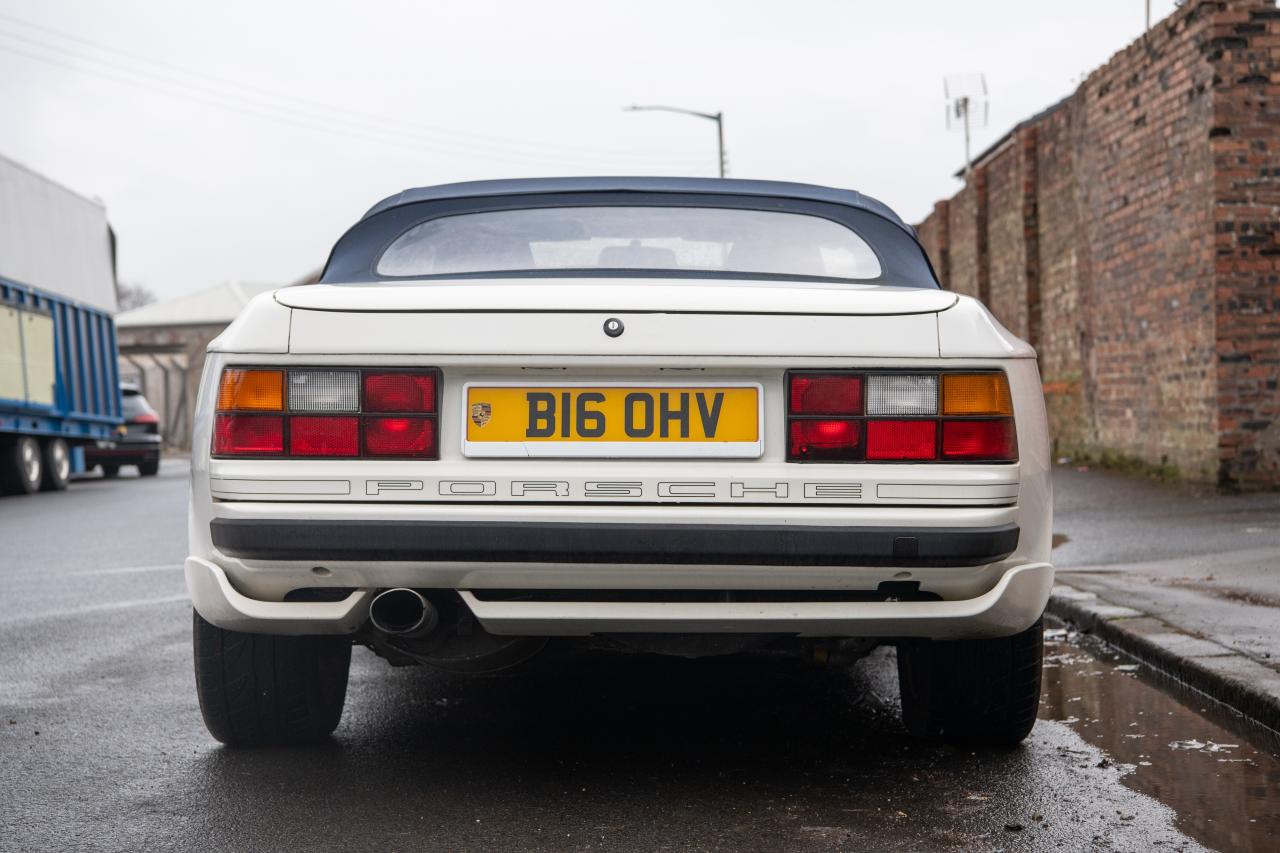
<point>137,440</point>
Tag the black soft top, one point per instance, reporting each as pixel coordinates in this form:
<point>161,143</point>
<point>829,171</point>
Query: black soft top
<point>707,186</point>
<point>355,256</point>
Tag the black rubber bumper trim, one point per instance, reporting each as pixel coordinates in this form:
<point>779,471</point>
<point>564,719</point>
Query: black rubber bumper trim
<point>678,544</point>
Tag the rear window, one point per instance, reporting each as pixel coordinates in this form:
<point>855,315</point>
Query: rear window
<point>678,239</point>
<point>133,404</point>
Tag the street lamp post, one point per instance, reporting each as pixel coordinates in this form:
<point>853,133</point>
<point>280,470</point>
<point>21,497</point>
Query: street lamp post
<point>718,118</point>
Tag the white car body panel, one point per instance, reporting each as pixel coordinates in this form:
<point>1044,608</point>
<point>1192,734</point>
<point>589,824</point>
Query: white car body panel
<point>613,294</point>
<point>686,334</point>
<point>670,336</point>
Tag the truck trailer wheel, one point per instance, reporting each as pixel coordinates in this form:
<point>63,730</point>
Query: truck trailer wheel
<point>57,465</point>
<point>263,690</point>
<point>976,691</point>
<point>21,467</point>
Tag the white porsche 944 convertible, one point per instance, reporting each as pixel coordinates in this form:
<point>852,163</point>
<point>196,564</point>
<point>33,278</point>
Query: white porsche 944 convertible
<point>677,415</point>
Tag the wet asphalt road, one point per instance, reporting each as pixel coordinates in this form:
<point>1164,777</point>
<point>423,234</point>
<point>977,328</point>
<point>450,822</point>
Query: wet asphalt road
<point>102,747</point>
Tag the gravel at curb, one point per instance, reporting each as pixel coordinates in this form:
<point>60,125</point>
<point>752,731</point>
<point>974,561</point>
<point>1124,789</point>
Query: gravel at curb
<point>1241,683</point>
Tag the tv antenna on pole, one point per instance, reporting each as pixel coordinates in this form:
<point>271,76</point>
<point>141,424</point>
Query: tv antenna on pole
<point>966,103</point>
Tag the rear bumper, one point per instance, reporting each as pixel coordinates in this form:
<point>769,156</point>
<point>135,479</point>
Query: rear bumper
<point>615,544</point>
<point>141,447</point>
<point>222,604</point>
<point>1012,605</point>
<point>120,454</point>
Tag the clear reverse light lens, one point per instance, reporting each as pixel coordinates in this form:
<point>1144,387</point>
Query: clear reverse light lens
<point>324,391</point>
<point>888,394</point>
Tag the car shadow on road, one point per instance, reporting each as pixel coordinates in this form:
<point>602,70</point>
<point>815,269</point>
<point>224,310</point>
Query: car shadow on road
<point>591,751</point>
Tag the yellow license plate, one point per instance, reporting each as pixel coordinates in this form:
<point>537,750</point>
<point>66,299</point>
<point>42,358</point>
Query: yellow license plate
<point>612,420</point>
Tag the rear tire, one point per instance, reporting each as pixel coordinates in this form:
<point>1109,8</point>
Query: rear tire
<point>57,465</point>
<point>264,690</point>
<point>976,691</point>
<point>149,467</point>
<point>21,466</point>
<point>110,471</point>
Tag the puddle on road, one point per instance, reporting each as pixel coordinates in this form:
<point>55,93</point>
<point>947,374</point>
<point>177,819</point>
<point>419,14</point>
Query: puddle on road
<point>1221,775</point>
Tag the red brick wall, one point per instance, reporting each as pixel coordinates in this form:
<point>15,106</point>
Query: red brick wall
<point>1131,234</point>
<point>1007,247</point>
<point>963,263</point>
<point>1244,49</point>
<point>1062,264</point>
<point>1147,181</point>
<point>935,238</point>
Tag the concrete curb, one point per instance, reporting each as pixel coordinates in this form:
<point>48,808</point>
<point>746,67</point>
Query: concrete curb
<point>1233,679</point>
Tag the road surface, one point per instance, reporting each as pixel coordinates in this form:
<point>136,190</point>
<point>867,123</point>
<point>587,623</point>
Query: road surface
<point>102,746</point>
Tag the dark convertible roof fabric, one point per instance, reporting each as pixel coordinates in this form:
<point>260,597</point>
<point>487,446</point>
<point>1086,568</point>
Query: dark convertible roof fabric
<point>716,186</point>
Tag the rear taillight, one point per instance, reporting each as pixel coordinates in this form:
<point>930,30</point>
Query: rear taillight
<point>327,413</point>
<point>400,392</point>
<point>399,437</point>
<point>248,435</point>
<point>825,441</point>
<point>883,416</point>
<point>902,440</point>
<point>986,439</point>
<point>324,436</point>
<point>826,394</point>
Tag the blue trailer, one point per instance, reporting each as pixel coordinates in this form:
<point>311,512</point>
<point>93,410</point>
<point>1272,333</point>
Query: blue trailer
<point>59,383</point>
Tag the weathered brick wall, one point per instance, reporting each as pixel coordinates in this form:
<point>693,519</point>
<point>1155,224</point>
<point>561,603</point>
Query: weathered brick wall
<point>935,238</point>
<point>1061,264</point>
<point>1244,49</point>
<point>1006,237</point>
<point>1147,180</point>
<point>963,263</point>
<point>1130,233</point>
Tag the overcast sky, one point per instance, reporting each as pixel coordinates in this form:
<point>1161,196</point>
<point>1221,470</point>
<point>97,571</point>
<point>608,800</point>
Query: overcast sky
<point>238,139</point>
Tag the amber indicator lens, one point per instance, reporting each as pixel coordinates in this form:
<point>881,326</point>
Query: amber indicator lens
<point>976,394</point>
<point>251,390</point>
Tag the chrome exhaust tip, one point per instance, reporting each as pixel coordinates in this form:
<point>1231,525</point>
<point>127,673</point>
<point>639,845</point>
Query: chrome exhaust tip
<point>403,612</point>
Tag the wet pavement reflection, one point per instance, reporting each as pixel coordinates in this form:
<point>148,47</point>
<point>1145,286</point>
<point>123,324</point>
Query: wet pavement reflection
<point>1219,773</point>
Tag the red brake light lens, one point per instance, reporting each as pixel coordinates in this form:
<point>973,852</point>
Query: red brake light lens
<point>248,435</point>
<point>400,392</point>
<point>902,439</point>
<point>825,440</point>
<point>825,394</point>
<point>990,440</point>
<point>320,436</point>
<point>411,437</point>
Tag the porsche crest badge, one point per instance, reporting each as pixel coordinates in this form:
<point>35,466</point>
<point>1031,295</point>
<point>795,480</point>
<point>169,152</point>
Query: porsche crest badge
<point>481,413</point>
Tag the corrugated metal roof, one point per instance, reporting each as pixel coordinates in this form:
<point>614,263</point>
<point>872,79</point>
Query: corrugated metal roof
<point>218,304</point>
